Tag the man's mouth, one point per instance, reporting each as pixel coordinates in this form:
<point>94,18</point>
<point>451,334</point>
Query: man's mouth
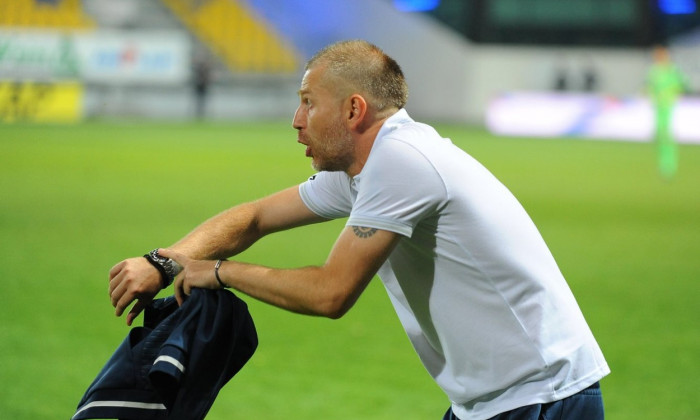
<point>300,140</point>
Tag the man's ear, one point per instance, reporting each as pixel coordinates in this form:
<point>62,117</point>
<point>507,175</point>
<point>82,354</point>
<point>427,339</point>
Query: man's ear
<point>356,111</point>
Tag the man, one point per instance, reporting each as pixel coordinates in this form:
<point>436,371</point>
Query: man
<point>473,283</point>
<point>666,83</point>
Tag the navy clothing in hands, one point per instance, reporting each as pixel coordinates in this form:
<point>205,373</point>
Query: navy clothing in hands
<point>174,366</point>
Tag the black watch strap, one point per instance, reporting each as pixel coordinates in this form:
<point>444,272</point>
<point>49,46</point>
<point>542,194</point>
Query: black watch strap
<point>163,276</point>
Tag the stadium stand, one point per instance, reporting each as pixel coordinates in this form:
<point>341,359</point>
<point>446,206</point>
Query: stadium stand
<point>67,14</point>
<point>242,40</point>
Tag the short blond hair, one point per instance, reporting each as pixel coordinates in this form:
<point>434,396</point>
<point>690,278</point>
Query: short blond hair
<point>365,69</point>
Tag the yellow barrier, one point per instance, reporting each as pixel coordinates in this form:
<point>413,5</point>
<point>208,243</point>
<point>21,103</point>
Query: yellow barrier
<point>60,102</point>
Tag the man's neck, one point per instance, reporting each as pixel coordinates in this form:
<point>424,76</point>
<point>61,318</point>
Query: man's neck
<point>364,142</point>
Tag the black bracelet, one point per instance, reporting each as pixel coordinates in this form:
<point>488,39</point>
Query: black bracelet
<point>161,270</point>
<point>216,273</point>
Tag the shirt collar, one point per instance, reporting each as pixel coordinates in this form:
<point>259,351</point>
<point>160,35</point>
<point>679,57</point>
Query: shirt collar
<point>392,123</point>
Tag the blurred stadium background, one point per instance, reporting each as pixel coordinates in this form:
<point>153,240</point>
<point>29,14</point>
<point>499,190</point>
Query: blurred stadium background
<point>123,123</point>
<point>580,63</point>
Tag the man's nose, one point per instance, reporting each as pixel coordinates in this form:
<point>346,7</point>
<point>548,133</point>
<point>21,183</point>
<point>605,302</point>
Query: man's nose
<point>297,122</point>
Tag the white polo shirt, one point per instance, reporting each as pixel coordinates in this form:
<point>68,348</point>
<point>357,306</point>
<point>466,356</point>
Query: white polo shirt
<point>474,285</point>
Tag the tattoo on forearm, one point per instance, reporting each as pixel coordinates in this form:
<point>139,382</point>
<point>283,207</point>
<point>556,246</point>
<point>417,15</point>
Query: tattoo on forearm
<point>363,232</point>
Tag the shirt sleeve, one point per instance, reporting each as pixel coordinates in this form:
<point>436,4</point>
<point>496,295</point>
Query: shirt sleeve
<point>328,194</point>
<point>399,187</point>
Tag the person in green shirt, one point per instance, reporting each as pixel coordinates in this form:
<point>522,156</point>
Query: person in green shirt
<point>665,83</point>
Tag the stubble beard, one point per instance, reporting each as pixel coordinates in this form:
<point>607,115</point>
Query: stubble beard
<point>334,152</point>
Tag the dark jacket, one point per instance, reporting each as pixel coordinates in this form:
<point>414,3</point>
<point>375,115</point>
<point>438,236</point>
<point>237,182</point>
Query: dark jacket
<point>174,366</point>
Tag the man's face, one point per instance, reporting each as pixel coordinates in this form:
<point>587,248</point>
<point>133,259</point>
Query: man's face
<point>320,125</point>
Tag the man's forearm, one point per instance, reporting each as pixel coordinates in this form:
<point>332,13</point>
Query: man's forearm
<point>222,236</point>
<point>328,290</point>
<point>234,230</point>
<point>312,290</point>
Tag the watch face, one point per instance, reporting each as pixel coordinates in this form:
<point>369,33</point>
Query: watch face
<point>172,267</point>
<point>157,257</point>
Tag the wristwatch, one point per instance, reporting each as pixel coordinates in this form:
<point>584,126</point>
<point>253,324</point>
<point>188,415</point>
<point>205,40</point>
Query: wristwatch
<point>167,267</point>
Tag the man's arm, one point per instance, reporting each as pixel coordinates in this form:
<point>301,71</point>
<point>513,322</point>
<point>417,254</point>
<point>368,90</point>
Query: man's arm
<point>222,236</point>
<point>328,290</point>
<point>231,232</point>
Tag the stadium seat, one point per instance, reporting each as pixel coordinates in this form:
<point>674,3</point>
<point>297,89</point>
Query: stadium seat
<point>44,14</point>
<point>242,40</point>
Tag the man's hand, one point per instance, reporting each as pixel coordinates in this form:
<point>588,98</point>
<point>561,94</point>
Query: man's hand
<point>133,279</point>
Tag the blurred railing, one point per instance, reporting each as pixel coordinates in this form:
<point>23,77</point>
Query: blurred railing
<point>44,14</point>
<point>241,40</point>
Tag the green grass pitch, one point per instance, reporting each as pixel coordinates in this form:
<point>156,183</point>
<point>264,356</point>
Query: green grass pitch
<point>77,199</point>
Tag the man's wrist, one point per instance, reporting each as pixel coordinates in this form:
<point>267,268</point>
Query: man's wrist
<point>167,267</point>
<point>216,274</point>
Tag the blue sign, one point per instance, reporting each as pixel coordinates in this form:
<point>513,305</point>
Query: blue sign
<point>677,7</point>
<point>416,5</point>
